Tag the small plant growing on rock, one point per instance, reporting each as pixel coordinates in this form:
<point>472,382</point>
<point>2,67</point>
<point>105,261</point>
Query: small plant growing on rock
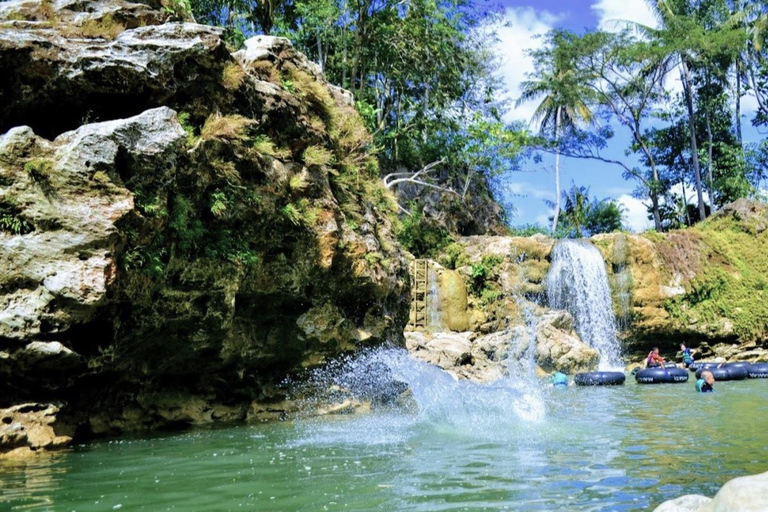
<point>317,155</point>
<point>263,145</point>
<point>291,213</point>
<point>232,76</point>
<point>178,10</point>
<point>39,170</point>
<point>219,203</point>
<point>226,128</point>
<point>298,182</point>
<point>107,28</point>
<point>12,222</point>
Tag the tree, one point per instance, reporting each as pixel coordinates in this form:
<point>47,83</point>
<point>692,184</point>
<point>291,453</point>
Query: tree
<point>582,217</point>
<point>626,83</point>
<point>565,97</point>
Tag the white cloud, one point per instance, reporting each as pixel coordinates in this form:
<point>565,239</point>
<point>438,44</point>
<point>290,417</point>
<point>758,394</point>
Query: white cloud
<point>635,213</point>
<point>526,189</point>
<point>611,13</point>
<point>544,220</point>
<point>521,26</point>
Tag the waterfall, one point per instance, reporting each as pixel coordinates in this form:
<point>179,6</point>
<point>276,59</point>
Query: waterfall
<point>578,282</point>
<point>433,300</point>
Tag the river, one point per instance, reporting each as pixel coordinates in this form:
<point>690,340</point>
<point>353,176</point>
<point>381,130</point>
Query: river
<point>464,447</point>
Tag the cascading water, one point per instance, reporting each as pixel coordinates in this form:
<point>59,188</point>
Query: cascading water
<point>578,282</point>
<point>433,301</point>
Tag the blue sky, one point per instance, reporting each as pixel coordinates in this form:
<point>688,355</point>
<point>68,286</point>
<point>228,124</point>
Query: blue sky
<point>529,189</point>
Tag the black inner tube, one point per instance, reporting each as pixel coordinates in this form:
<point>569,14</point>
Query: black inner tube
<point>661,376</point>
<point>599,379</point>
<point>725,372</point>
<point>757,371</point>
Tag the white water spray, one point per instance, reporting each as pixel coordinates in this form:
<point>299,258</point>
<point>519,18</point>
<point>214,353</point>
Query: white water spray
<point>578,282</point>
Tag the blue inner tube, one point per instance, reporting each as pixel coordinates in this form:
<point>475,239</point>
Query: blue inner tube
<point>698,366</point>
<point>757,371</point>
<point>661,375</point>
<point>726,372</point>
<point>599,379</point>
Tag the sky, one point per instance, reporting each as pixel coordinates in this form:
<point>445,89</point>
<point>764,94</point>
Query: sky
<point>529,188</point>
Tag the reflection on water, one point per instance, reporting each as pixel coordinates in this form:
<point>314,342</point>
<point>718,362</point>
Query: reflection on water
<point>28,483</point>
<point>624,448</point>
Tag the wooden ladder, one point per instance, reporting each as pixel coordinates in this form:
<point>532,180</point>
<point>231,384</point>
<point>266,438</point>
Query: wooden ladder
<point>420,293</point>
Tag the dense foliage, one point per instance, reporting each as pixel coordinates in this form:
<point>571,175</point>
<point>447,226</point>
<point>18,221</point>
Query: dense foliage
<point>686,143</point>
<point>422,73</point>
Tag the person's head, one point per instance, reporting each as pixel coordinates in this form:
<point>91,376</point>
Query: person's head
<point>655,350</point>
<point>682,346</point>
<point>708,377</point>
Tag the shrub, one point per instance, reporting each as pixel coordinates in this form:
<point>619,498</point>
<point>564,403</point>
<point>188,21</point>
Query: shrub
<point>421,236</point>
<point>453,256</point>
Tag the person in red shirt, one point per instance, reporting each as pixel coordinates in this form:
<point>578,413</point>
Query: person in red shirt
<point>654,359</point>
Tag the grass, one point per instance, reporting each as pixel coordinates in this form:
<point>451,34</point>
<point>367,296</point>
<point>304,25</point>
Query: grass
<point>731,278</point>
<point>226,128</point>
<point>232,76</point>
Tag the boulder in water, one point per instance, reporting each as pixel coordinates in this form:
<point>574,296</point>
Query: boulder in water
<point>29,428</point>
<point>687,503</point>
<point>745,494</point>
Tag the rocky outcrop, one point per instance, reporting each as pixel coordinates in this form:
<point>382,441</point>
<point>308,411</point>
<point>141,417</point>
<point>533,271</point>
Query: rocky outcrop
<point>745,494</point>
<point>486,358</point>
<point>29,428</point>
<point>704,286</point>
<point>179,229</point>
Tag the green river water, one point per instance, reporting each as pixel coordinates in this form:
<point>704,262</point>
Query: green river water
<point>466,447</point>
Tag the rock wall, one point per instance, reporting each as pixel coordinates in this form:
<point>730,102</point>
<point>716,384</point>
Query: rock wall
<point>180,226</point>
<point>705,286</point>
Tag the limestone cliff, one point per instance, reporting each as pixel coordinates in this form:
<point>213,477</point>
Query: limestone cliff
<point>180,226</point>
<point>704,286</point>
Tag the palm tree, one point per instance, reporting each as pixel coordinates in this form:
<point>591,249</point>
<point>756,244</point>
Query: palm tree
<point>677,29</point>
<point>565,96</point>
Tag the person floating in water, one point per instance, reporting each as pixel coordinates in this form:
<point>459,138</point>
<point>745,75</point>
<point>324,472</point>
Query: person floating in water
<point>654,359</point>
<point>687,355</point>
<point>559,379</point>
<point>705,382</point>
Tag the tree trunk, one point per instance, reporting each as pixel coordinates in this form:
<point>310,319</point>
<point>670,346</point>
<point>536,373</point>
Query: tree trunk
<point>557,172</point>
<point>685,200</point>
<point>738,101</point>
<point>710,181</point>
<point>319,52</point>
<point>688,93</point>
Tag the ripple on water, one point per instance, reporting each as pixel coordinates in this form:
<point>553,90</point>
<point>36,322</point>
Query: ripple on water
<point>627,448</point>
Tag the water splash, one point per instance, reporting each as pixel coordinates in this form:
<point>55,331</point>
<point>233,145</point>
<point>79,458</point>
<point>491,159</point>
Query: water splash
<point>578,282</point>
<point>435,400</point>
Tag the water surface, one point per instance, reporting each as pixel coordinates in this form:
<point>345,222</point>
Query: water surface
<point>625,448</point>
